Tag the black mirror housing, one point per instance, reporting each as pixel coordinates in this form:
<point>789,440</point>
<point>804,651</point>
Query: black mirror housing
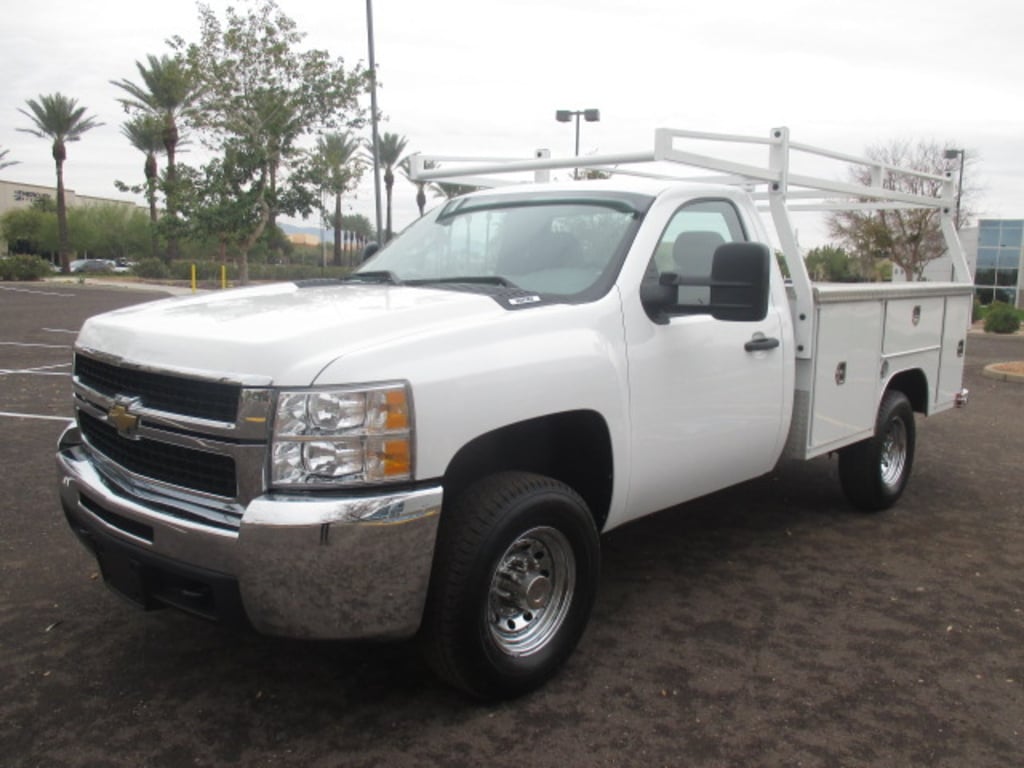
<point>739,285</point>
<point>740,281</point>
<point>369,250</point>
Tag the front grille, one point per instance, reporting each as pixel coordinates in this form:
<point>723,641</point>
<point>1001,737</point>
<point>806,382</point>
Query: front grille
<point>184,467</point>
<point>212,400</point>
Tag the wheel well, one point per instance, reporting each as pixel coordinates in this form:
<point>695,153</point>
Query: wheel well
<point>573,447</point>
<point>913,384</point>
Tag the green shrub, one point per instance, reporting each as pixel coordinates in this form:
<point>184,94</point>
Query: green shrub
<point>1001,318</point>
<point>151,269</point>
<point>977,311</point>
<point>23,268</point>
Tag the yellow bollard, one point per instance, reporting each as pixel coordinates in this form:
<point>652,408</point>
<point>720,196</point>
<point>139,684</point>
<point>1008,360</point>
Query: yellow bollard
<point>193,278</point>
<point>223,276</point>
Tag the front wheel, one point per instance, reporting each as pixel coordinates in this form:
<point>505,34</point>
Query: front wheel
<point>515,576</point>
<point>874,472</point>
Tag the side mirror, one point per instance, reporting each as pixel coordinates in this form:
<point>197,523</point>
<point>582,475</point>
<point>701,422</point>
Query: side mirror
<point>658,297</point>
<point>369,250</point>
<point>740,280</point>
<point>736,290</point>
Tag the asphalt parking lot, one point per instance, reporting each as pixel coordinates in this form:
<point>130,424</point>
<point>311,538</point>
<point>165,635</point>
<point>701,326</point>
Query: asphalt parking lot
<point>768,625</point>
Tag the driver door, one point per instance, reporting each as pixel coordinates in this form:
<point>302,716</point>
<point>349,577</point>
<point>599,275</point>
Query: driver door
<point>706,407</point>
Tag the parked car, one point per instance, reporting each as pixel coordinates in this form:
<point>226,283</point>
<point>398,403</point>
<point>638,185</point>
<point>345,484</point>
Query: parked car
<point>92,265</point>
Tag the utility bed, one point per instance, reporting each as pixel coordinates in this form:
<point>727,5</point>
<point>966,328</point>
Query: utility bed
<point>913,327</point>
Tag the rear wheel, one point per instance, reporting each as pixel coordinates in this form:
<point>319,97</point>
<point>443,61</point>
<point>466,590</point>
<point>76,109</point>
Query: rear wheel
<point>515,576</point>
<point>874,472</point>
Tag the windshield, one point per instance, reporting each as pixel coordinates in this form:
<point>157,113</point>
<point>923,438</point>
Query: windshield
<point>568,244</point>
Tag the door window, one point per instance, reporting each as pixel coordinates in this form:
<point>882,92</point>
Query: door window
<point>688,244</point>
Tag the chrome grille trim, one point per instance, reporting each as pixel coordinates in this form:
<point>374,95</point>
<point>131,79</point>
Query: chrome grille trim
<point>189,439</point>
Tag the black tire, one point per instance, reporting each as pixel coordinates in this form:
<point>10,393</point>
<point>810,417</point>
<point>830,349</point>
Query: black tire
<point>515,575</point>
<point>874,472</point>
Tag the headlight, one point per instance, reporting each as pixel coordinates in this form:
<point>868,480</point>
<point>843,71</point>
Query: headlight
<point>342,436</point>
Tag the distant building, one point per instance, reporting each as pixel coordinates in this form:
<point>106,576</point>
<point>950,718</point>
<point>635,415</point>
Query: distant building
<point>995,256</point>
<point>301,238</point>
<point>17,195</point>
<point>1000,260</point>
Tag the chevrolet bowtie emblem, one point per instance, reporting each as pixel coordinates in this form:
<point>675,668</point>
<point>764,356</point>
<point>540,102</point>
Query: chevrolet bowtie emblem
<point>120,416</point>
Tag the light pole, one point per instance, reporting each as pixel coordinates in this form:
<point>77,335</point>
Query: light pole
<point>952,154</point>
<point>565,115</point>
<point>373,120</point>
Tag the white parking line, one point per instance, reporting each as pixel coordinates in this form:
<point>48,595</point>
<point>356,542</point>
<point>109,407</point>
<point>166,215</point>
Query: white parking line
<point>42,370</point>
<point>40,293</point>
<point>27,344</point>
<point>60,330</point>
<point>34,416</point>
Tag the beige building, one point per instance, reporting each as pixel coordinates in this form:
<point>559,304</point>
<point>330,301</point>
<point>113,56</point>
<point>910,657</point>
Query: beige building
<point>14,194</point>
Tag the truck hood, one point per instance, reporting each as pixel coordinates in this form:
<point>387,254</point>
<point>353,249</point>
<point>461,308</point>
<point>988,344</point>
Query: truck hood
<point>282,334</point>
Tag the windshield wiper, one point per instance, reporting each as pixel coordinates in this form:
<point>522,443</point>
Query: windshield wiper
<point>373,276</point>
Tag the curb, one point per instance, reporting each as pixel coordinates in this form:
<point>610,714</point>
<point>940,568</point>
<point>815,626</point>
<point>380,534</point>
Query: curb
<point>992,372</point>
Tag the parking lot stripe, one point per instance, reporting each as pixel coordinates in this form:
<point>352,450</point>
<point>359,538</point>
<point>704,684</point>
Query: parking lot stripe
<point>27,344</point>
<point>34,416</point>
<point>42,370</point>
<point>40,293</point>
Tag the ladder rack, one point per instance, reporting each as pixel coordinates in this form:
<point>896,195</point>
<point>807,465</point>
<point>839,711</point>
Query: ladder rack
<point>775,187</point>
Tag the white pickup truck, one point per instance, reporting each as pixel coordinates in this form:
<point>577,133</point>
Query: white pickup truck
<point>433,445</point>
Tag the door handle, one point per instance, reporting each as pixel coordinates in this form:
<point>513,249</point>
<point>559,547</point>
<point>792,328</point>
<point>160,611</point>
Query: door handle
<point>762,344</point>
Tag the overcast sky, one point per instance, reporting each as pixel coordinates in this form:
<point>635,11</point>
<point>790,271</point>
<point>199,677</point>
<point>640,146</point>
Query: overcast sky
<point>485,77</point>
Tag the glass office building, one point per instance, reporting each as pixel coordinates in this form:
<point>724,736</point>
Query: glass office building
<point>997,273</point>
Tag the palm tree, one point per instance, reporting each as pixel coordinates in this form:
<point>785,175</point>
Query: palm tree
<point>341,169</point>
<point>60,119</point>
<point>391,148</point>
<point>145,133</point>
<point>421,194</point>
<point>6,163</point>
<point>168,92</point>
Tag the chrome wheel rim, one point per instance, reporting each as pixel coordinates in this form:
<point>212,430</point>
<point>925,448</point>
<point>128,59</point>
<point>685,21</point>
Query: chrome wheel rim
<point>531,590</point>
<point>894,453</point>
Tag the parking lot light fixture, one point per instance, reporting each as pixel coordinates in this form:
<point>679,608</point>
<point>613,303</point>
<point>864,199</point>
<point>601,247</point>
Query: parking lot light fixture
<point>566,115</point>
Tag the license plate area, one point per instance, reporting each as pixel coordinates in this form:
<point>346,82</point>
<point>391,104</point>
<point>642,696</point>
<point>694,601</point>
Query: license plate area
<point>126,576</point>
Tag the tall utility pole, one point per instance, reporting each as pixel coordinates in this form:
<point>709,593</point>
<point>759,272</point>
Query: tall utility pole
<point>373,120</point>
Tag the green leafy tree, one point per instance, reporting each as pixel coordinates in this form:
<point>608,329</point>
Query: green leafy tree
<point>359,224</point>
<point>59,118</point>
<point>829,263</point>
<point>221,206</point>
<point>110,231</point>
<point>260,95</point>
<point>31,230</point>
<point>339,169</point>
<point>4,162</point>
<point>910,237</point>
<point>145,133</point>
<point>168,92</point>
<point>390,149</point>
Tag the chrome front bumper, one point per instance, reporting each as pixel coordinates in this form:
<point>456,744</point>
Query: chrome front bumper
<point>344,567</point>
